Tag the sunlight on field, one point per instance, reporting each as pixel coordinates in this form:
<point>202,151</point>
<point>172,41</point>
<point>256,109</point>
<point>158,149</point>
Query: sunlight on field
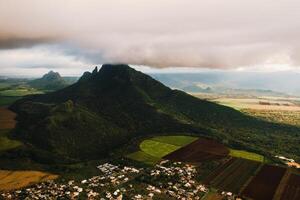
<point>10,180</point>
<point>19,92</point>
<point>157,149</point>
<point>175,140</point>
<point>284,117</point>
<point>258,104</point>
<point>246,155</point>
<point>153,149</point>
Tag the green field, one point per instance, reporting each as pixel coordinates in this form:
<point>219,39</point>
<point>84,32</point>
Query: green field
<point>4,101</point>
<point>6,143</point>
<point>175,140</point>
<point>143,157</point>
<point>153,149</point>
<point>19,92</point>
<point>4,85</point>
<point>157,149</point>
<point>246,155</point>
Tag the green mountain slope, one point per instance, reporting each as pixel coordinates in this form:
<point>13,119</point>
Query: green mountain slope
<point>50,81</point>
<point>107,108</point>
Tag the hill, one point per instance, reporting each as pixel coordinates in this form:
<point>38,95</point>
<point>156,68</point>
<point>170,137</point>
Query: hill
<point>107,108</point>
<point>50,81</point>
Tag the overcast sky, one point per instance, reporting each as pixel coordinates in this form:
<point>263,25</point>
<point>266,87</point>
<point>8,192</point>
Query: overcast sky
<point>70,36</point>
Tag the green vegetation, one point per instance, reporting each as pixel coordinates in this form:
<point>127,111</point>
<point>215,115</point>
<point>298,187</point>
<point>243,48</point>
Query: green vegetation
<point>117,104</point>
<point>246,155</point>
<point>157,149</point>
<point>153,149</point>
<point>19,92</point>
<point>280,116</point>
<point>178,140</point>
<point>49,82</point>
<point>143,157</point>
<point>4,101</point>
<point>4,85</point>
<point>6,143</point>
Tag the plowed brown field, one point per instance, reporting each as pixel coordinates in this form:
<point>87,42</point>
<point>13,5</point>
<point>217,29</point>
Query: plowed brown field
<point>199,151</point>
<point>7,119</point>
<point>292,188</point>
<point>263,186</point>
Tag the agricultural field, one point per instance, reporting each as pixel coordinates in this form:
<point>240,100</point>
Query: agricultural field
<point>279,110</point>
<point>259,103</point>
<point>154,149</point>
<point>141,156</point>
<point>7,122</point>
<point>292,188</point>
<point>18,92</point>
<point>199,151</point>
<point>246,155</point>
<point>157,149</point>
<point>12,180</point>
<point>279,116</point>
<point>214,172</point>
<point>5,101</point>
<point>263,186</point>
<point>12,90</point>
<point>6,143</point>
<point>175,140</point>
<point>233,177</point>
<point>7,119</point>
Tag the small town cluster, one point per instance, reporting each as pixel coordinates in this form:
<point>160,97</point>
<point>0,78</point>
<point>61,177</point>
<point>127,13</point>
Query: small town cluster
<point>171,180</point>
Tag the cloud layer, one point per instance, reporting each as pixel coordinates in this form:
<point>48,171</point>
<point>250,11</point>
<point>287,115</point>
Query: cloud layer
<point>166,33</point>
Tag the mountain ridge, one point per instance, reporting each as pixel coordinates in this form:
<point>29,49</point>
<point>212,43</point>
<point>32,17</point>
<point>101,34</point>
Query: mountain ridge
<point>107,108</point>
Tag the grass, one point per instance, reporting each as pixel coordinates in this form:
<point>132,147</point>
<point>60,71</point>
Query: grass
<point>143,157</point>
<point>6,143</point>
<point>246,155</point>
<point>4,85</point>
<point>11,180</point>
<point>19,92</point>
<point>153,149</point>
<point>278,116</point>
<point>157,149</point>
<point>5,101</point>
<point>212,195</point>
<point>175,140</point>
<point>7,123</point>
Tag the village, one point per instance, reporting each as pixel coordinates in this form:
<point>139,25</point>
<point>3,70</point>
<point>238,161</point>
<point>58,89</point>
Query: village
<point>166,180</point>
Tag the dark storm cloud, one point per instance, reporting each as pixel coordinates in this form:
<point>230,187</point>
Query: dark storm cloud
<point>17,42</point>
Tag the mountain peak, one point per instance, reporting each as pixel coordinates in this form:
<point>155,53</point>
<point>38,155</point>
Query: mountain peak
<point>51,75</point>
<point>50,81</point>
<point>95,71</point>
<point>108,71</point>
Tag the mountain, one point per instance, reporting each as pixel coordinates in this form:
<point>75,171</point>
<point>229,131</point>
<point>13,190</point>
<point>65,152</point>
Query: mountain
<point>50,81</point>
<point>107,108</point>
